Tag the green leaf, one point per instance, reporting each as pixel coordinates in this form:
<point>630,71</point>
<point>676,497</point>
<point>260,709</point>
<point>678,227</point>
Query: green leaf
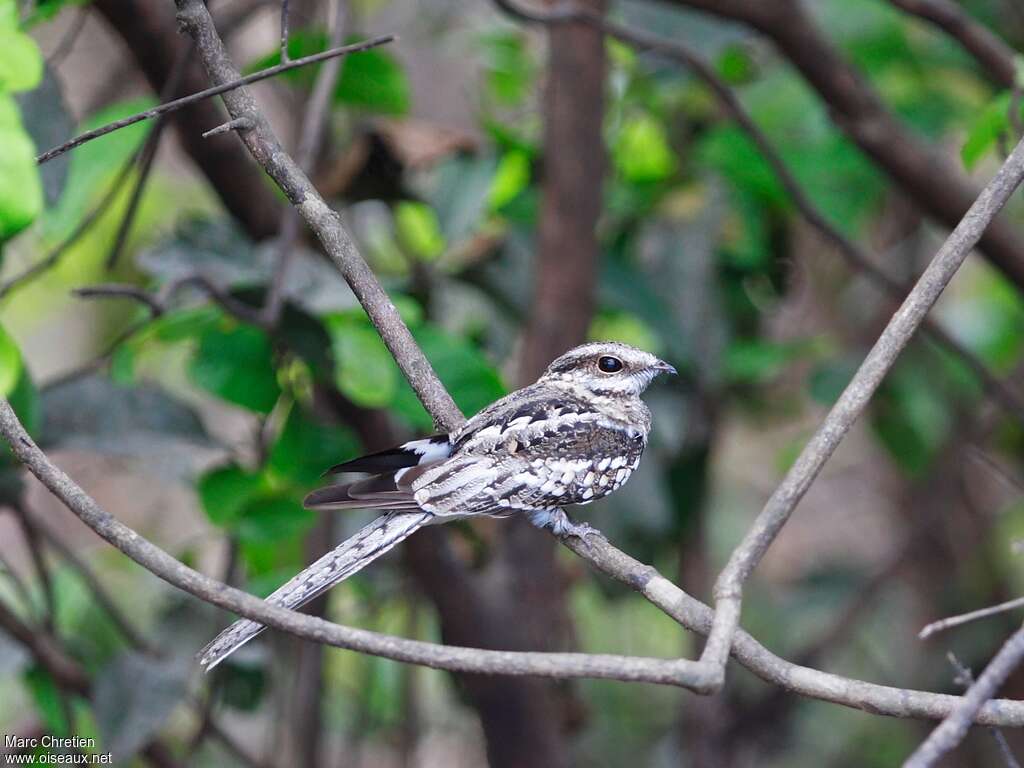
<point>373,80</point>
<point>828,380</point>
<point>731,152</point>
<point>641,151</point>
<point>21,64</point>
<point>510,70</point>
<point>305,448</point>
<point>624,327</point>
<point>48,699</point>
<point>272,519</point>
<point>466,373</point>
<point>418,230</point>
<point>236,363</point>
<point>511,178</point>
<point>735,65</point>
<point>364,369</point>
<point>21,189</point>
<point>756,361</point>
<point>95,165</point>
<point>10,363</point>
<point>984,132</point>
<point>911,418</point>
<point>224,491</point>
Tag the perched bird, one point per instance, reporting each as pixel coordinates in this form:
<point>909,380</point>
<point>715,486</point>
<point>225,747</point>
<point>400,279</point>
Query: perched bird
<point>572,437</point>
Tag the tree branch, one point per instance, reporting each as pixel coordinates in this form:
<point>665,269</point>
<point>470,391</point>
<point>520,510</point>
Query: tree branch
<point>224,87</point>
<point>268,152</point>
<point>952,730</point>
<point>852,402</point>
<point>929,179</point>
<point>995,56</point>
<point>687,611</point>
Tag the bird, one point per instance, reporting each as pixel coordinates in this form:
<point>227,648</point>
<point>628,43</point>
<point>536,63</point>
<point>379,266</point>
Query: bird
<point>572,437</point>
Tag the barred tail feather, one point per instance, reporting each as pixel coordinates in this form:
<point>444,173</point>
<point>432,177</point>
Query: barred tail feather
<point>352,555</point>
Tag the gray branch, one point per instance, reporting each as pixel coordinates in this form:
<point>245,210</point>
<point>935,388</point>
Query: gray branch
<point>853,401</point>
<point>952,730</point>
<point>286,173</point>
<point>686,610</point>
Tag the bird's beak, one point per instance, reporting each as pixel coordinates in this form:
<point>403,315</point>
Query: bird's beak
<point>662,367</point>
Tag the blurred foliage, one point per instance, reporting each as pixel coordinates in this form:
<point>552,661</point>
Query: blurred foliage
<point>703,260</point>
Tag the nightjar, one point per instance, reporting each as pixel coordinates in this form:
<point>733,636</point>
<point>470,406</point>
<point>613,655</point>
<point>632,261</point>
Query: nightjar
<point>572,437</point>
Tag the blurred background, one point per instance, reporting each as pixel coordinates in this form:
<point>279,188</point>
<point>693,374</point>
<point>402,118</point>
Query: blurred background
<point>518,189</point>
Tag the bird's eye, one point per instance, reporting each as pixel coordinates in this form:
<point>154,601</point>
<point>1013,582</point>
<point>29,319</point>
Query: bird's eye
<point>609,364</point>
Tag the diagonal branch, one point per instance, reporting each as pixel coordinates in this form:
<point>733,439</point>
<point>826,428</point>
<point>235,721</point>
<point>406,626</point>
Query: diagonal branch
<point>931,180</point>
<point>952,730</point>
<point>853,401</point>
<point>977,39</point>
<point>268,152</point>
<point>224,87</point>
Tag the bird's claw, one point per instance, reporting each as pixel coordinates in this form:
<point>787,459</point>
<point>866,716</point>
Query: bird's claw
<point>582,531</point>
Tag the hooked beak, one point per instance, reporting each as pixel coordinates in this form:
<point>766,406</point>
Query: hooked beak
<point>662,367</point>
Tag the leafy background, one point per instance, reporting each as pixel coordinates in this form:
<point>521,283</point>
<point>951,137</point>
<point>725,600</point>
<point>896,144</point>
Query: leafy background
<point>205,432</point>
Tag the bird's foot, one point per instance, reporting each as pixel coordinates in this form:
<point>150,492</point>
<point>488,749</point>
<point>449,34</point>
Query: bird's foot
<point>562,525</point>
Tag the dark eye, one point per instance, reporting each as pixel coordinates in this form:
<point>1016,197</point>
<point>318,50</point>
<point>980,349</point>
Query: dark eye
<point>609,364</point>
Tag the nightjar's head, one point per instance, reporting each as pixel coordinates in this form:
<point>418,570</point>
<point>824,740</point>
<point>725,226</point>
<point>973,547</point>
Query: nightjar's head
<point>607,368</point>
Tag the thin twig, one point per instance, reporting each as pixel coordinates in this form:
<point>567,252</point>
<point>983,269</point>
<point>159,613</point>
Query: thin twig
<point>965,677</point>
<point>954,727</point>
<point>241,124</point>
<point>977,39</point>
<point>285,8</point>
<point>89,578</point>
<point>852,402</point>
<point>42,568</point>
<point>224,87</point>
<point>67,42</point>
<point>897,334</point>
<point>313,124</point>
<point>147,156</point>
<point>118,291</point>
<point>965,618</point>
<point>268,152</point>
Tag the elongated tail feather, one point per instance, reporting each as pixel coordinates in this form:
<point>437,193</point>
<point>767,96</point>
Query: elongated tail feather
<point>352,555</point>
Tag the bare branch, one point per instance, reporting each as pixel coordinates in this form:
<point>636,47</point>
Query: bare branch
<point>284,29</point>
<point>952,730</point>
<point>687,611</point>
<point>158,562</point>
<point>977,39</point>
<point>117,291</point>
<point>224,87</point>
<point>312,126</point>
<point>853,401</point>
<point>965,677</point>
<point>241,124</point>
<point>935,183</point>
<point>267,150</point>
<point>965,618</point>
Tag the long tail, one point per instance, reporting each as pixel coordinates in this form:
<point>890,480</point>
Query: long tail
<point>352,555</point>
